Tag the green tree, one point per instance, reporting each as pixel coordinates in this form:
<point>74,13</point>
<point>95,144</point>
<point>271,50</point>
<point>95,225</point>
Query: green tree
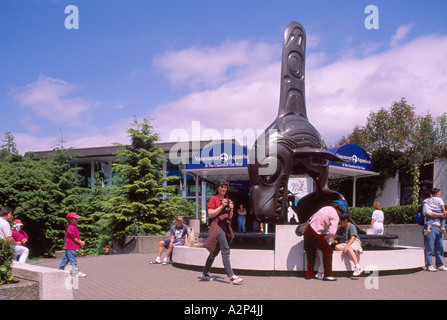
<point>398,140</point>
<point>9,146</point>
<point>41,194</point>
<point>141,191</point>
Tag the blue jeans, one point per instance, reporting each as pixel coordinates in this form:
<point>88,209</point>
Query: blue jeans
<point>434,239</point>
<point>241,223</point>
<point>222,245</point>
<point>69,257</point>
<point>430,221</point>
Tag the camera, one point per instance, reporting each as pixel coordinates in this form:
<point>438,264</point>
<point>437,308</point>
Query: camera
<point>227,207</point>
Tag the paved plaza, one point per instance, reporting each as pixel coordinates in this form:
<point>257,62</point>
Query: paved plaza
<point>132,277</point>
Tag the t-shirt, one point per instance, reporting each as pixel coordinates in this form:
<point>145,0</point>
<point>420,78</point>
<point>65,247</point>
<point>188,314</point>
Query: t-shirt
<point>179,233</point>
<point>214,202</point>
<point>378,215</point>
<point>434,204</point>
<point>72,233</point>
<point>5,229</point>
<point>348,232</point>
<point>325,221</point>
<point>19,235</point>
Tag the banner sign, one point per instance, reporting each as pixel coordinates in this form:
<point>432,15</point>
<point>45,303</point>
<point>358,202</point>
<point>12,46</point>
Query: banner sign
<point>356,155</point>
<point>220,155</point>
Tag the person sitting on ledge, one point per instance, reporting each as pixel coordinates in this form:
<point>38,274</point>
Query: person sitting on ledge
<point>179,234</point>
<point>352,244</point>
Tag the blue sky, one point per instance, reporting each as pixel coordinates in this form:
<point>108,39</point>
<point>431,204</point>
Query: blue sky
<point>208,69</point>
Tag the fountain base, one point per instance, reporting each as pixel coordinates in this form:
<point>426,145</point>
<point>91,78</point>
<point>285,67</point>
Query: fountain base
<point>287,254</point>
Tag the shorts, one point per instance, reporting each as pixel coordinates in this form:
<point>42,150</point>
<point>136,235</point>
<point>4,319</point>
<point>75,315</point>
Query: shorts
<point>177,242</point>
<point>356,245</point>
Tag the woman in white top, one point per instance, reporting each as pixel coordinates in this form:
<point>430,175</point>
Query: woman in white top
<point>377,219</point>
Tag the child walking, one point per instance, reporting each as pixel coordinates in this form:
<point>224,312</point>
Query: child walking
<point>72,243</point>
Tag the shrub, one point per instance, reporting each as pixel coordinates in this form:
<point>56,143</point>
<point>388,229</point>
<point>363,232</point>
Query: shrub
<point>6,255</point>
<point>393,215</point>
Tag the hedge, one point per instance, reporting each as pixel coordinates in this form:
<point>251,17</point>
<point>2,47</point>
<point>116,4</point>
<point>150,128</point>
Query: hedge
<point>393,215</point>
<point>6,255</point>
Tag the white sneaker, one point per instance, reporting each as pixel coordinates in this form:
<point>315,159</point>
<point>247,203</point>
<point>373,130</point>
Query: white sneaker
<point>319,276</point>
<point>329,279</point>
<point>442,268</point>
<point>430,268</point>
<point>80,274</point>
<point>357,271</point>
<point>236,280</point>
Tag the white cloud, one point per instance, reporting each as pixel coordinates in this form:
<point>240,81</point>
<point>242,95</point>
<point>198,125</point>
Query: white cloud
<point>27,142</point>
<point>346,91</point>
<point>339,95</point>
<point>241,92</point>
<point>91,137</point>
<point>212,66</point>
<point>49,98</point>
<point>400,34</point>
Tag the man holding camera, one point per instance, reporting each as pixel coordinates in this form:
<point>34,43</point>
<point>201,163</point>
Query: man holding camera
<point>220,234</point>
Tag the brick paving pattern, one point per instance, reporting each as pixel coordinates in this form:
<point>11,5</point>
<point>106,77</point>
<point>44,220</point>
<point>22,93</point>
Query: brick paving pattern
<point>132,277</point>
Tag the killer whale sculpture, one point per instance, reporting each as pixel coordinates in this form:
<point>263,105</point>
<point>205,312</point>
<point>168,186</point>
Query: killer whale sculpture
<point>290,145</point>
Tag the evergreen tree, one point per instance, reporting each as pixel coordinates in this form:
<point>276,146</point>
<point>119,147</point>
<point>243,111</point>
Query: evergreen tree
<point>9,146</point>
<point>136,207</point>
<point>41,194</point>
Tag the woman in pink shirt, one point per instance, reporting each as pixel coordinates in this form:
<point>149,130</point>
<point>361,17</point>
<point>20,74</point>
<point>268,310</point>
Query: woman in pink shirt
<point>72,243</point>
<point>324,223</point>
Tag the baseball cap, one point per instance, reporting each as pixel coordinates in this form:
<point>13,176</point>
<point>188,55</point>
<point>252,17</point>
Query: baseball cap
<point>73,215</point>
<point>17,222</point>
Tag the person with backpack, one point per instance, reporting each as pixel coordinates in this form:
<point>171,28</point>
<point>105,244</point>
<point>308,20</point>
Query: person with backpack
<point>434,238</point>
<point>435,204</point>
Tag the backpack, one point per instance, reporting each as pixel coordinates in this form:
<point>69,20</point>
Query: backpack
<point>420,218</point>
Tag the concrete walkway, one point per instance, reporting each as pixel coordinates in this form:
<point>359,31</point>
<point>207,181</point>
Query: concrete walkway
<point>132,277</point>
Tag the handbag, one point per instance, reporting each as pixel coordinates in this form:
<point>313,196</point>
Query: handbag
<point>302,227</point>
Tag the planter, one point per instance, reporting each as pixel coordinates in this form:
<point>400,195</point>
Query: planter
<point>22,290</point>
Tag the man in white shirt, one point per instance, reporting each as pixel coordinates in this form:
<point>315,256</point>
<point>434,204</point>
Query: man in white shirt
<point>6,214</point>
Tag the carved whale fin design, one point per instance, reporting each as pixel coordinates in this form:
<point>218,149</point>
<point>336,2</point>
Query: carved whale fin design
<point>292,98</point>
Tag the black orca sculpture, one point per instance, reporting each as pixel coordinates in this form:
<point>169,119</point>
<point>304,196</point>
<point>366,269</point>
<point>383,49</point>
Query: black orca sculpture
<point>290,145</point>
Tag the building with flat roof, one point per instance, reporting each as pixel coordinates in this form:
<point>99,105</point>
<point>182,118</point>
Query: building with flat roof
<point>200,164</point>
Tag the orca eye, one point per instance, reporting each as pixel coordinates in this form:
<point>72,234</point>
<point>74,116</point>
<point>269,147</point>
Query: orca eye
<point>271,169</point>
<point>318,161</point>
